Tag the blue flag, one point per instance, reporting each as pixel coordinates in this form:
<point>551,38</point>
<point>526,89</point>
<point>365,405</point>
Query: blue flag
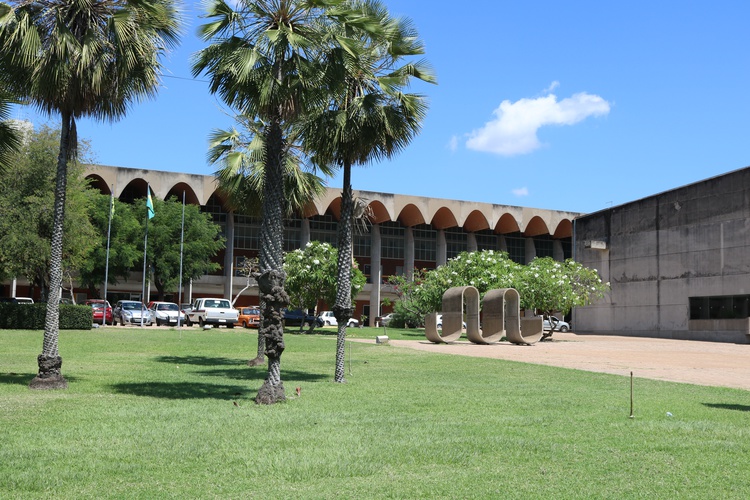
<point>149,204</point>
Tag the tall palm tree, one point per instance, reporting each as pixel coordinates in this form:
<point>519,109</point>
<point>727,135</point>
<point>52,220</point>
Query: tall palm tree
<point>259,62</point>
<point>242,157</point>
<point>369,117</point>
<point>80,58</point>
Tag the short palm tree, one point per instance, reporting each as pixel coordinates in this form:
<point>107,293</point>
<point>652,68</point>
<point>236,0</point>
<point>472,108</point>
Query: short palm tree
<point>259,63</point>
<point>80,58</point>
<point>368,118</point>
<point>242,158</point>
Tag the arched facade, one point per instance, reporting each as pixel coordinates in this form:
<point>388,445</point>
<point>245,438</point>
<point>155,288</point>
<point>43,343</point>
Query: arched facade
<point>404,232</point>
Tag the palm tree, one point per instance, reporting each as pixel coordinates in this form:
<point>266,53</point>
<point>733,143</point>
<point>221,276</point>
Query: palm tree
<point>9,136</point>
<point>369,117</point>
<point>242,156</point>
<point>259,63</point>
<point>80,58</point>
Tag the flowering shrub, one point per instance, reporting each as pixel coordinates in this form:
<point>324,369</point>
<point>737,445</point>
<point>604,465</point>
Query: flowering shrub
<point>311,275</point>
<point>545,285</point>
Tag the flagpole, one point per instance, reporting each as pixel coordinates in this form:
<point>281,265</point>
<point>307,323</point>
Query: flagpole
<point>179,290</point>
<point>106,265</point>
<point>149,214</point>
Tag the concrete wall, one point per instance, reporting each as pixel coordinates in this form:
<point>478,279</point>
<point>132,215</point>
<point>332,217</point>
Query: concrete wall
<point>659,251</point>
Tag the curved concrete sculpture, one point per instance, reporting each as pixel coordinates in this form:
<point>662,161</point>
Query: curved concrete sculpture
<point>501,308</point>
<point>506,303</point>
<point>453,315</point>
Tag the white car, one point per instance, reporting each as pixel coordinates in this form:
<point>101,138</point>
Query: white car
<point>560,325</point>
<point>440,322</point>
<point>166,313</point>
<point>330,320</point>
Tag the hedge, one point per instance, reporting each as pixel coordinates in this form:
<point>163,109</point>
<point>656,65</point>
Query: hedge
<point>32,316</point>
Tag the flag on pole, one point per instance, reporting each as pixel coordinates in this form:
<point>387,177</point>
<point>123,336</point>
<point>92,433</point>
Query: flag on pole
<point>149,204</point>
<point>112,205</point>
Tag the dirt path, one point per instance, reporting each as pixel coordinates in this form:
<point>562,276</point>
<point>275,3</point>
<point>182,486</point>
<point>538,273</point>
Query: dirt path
<point>694,362</point>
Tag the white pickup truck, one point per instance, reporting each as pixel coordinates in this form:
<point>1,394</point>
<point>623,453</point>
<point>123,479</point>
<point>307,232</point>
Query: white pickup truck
<point>212,312</point>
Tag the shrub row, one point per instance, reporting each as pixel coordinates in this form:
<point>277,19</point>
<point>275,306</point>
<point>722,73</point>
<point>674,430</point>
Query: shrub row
<point>32,316</point>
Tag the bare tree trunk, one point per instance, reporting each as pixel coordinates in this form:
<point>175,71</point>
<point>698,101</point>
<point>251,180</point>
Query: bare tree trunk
<point>49,361</point>
<point>342,309</point>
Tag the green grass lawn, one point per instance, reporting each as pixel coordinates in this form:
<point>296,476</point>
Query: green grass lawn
<point>158,413</point>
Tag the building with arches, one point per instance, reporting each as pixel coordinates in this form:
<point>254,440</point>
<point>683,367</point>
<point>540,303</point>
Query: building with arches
<point>406,232</point>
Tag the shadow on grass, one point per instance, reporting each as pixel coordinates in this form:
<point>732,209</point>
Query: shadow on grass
<point>25,378</point>
<point>181,390</point>
<point>201,360</point>
<point>726,406</point>
<point>258,372</point>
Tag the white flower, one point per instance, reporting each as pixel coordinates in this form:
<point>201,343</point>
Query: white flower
<point>316,262</point>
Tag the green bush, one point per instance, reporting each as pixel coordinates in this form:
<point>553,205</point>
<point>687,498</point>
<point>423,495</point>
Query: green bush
<point>32,316</point>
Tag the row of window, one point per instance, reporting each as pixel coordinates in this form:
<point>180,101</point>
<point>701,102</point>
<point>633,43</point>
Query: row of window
<point>720,307</point>
<point>392,238</point>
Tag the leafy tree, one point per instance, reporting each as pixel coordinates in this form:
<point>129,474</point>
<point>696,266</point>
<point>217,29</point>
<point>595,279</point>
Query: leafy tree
<point>485,270</point>
<point>126,234</point>
<point>241,155</point>
<point>311,276</point>
<point>26,213</point>
<point>549,286</point>
<point>262,62</point>
<point>368,117</point>
<point>202,241</point>
<point>544,285</point>
<point>80,58</point>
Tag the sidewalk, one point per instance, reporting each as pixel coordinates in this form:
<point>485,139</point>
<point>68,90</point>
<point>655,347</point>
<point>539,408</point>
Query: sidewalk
<point>694,362</point>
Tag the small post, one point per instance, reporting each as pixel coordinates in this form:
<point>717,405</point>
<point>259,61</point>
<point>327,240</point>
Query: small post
<point>631,395</point>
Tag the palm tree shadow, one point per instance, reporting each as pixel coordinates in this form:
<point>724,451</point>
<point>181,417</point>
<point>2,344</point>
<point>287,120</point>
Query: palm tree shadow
<point>200,360</point>
<point>727,406</point>
<point>25,378</point>
<point>180,390</point>
<point>258,372</point>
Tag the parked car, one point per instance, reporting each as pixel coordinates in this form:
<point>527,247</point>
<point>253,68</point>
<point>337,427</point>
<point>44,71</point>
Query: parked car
<point>131,312</point>
<point>330,320</point>
<point>384,320</point>
<point>102,311</point>
<point>298,317</point>
<point>165,313</point>
<point>249,317</point>
<point>212,311</point>
<point>440,322</point>
<point>560,325</point>
<point>17,300</point>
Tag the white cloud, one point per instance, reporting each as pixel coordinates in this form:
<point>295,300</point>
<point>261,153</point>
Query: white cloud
<point>524,191</point>
<point>552,86</point>
<point>453,143</point>
<point>514,129</point>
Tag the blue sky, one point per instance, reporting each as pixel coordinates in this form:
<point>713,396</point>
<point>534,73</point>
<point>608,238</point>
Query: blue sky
<point>564,105</point>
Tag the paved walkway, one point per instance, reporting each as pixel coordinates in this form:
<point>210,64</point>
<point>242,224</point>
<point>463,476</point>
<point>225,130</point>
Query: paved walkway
<point>694,362</point>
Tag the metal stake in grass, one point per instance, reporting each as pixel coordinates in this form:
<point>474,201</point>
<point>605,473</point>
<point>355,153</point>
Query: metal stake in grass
<point>631,395</point>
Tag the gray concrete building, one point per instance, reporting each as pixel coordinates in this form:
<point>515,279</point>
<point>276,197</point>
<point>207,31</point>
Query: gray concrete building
<point>678,263</point>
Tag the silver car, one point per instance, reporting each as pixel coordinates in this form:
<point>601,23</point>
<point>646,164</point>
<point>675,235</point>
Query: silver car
<point>130,312</point>
<point>560,325</point>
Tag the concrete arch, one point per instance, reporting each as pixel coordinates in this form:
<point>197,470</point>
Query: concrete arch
<point>98,183</point>
<point>178,189</point>
<point>564,229</point>
<point>444,219</point>
<point>476,221</point>
<point>411,216</point>
<point>378,213</point>
<point>507,224</point>
<point>535,227</point>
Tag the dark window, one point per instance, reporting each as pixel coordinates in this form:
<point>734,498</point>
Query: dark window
<point>720,307</point>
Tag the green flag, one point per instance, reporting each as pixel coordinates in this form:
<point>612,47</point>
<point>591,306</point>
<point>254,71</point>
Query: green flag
<point>149,204</point>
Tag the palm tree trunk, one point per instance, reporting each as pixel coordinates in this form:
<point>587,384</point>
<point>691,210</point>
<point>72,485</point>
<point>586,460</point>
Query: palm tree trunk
<point>50,362</point>
<point>273,297</point>
<point>342,309</point>
<point>259,358</point>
